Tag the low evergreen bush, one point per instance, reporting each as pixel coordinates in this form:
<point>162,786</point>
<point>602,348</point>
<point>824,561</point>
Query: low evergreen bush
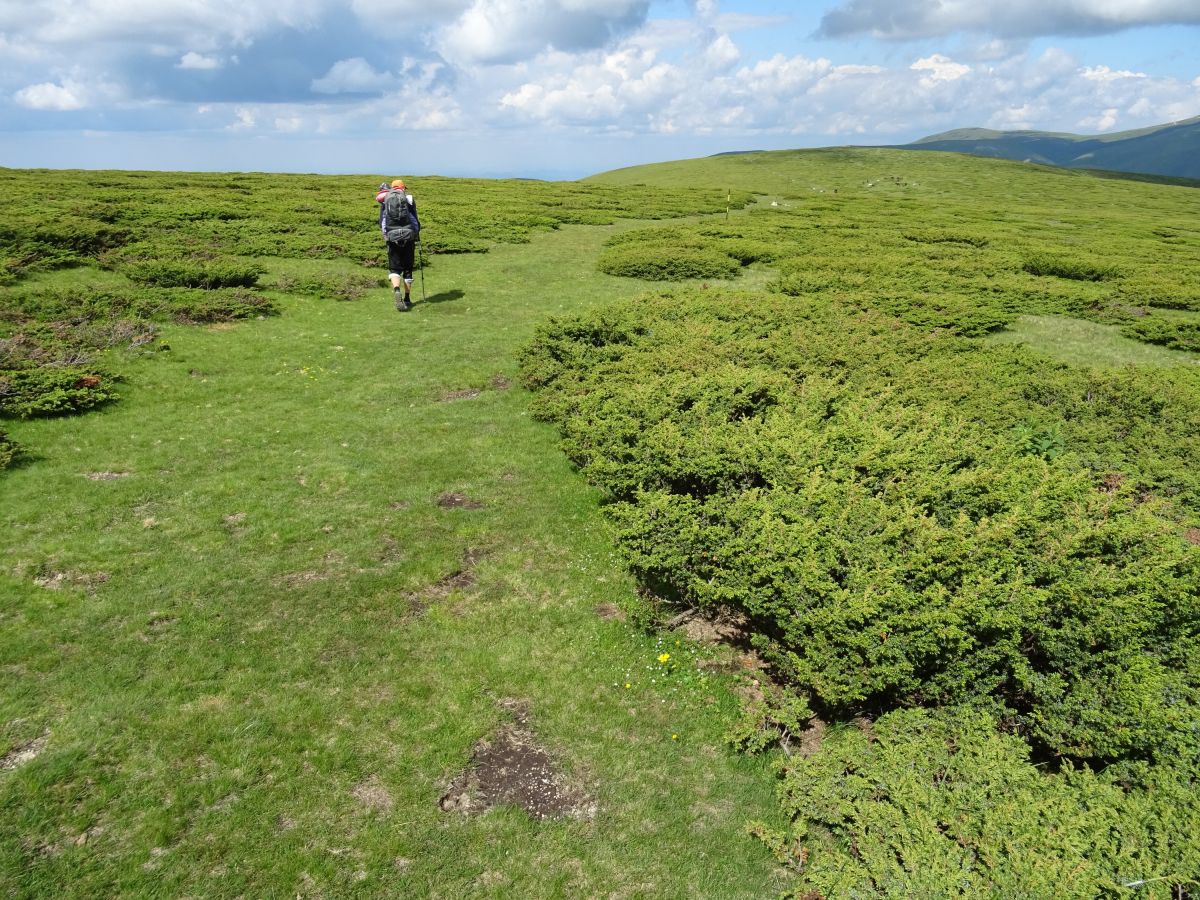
<point>10,450</point>
<point>30,393</point>
<point>925,804</point>
<point>905,518</point>
<point>171,274</point>
<point>671,263</point>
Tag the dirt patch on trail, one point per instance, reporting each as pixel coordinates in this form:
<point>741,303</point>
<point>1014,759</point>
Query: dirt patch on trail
<point>511,767</point>
<point>56,581</point>
<point>26,751</point>
<point>464,394</point>
<point>724,628</point>
<point>458,501</point>
<point>461,579</point>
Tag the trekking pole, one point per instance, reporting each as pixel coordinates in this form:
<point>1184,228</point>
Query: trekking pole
<point>421,257</point>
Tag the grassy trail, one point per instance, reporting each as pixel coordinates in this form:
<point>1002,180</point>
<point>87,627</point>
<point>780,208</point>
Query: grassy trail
<point>251,649</point>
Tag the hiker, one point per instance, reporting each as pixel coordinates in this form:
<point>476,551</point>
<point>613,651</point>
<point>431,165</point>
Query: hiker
<point>401,228</point>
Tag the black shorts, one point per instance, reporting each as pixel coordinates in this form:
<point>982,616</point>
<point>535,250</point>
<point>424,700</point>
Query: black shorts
<point>400,259</point>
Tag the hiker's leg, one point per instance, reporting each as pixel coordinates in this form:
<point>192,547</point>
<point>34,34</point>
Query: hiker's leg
<point>395,263</point>
<point>409,254</point>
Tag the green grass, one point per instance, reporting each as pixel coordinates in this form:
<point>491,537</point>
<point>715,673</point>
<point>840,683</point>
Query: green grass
<point>235,644</point>
<point>1085,343</point>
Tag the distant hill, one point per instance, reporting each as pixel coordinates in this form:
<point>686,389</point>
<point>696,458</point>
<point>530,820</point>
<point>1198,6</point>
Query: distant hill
<point>1172,149</point>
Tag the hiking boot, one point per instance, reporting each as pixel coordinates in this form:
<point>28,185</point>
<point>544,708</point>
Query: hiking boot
<point>400,299</point>
<point>406,304</point>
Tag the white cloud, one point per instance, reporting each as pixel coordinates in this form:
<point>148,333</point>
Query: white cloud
<point>721,54</point>
<point>1106,121</point>
<point>70,93</point>
<point>355,75</point>
<point>59,97</point>
<point>939,68</point>
<point>633,88</point>
<point>507,31</point>
<point>14,51</point>
<point>246,119</point>
<point>915,19</point>
<point>173,22</point>
<point>1104,73</point>
<point>193,60</point>
<point>401,15</point>
<point>575,69</point>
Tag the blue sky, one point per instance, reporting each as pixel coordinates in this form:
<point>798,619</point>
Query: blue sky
<point>564,88</point>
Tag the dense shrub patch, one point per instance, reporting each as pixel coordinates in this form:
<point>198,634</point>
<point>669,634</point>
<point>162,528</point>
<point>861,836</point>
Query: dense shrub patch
<point>935,805</point>
<point>912,518</point>
<point>1177,334</point>
<point>334,285</point>
<point>974,277</point>
<point>170,274</point>
<point>26,393</point>
<point>677,264</point>
<point>1076,269</point>
<point>77,305</point>
<point>886,507</point>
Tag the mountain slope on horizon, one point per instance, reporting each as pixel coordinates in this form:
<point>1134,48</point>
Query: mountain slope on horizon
<point>1172,149</point>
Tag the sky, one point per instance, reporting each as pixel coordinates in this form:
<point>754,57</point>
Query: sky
<point>564,88</point>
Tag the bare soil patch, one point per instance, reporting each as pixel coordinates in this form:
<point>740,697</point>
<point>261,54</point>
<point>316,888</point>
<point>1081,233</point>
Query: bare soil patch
<point>105,476</point>
<point>1193,536</point>
<point>56,581</point>
<point>724,628</point>
<point>458,501</point>
<point>512,768</point>
<point>609,612</point>
<point>24,752</point>
<point>373,796</point>
<point>808,742</point>
<point>460,579</point>
<point>500,383</point>
<point>464,394</point>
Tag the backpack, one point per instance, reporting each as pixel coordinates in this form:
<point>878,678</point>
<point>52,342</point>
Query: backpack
<point>398,219</point>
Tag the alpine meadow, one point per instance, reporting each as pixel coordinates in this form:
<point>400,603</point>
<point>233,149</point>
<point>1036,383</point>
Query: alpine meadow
<point>820,524</point>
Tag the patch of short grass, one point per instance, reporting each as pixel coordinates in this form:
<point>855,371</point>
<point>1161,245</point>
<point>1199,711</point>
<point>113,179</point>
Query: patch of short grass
<point>1086,343</point>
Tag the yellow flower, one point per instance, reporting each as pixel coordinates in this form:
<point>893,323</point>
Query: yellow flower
<point>674,737</point>
<point>627,684</point>
<point>663,657</point>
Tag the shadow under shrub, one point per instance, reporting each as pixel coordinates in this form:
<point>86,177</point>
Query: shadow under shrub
<point>1069,267</point>
<point>10,451</point>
